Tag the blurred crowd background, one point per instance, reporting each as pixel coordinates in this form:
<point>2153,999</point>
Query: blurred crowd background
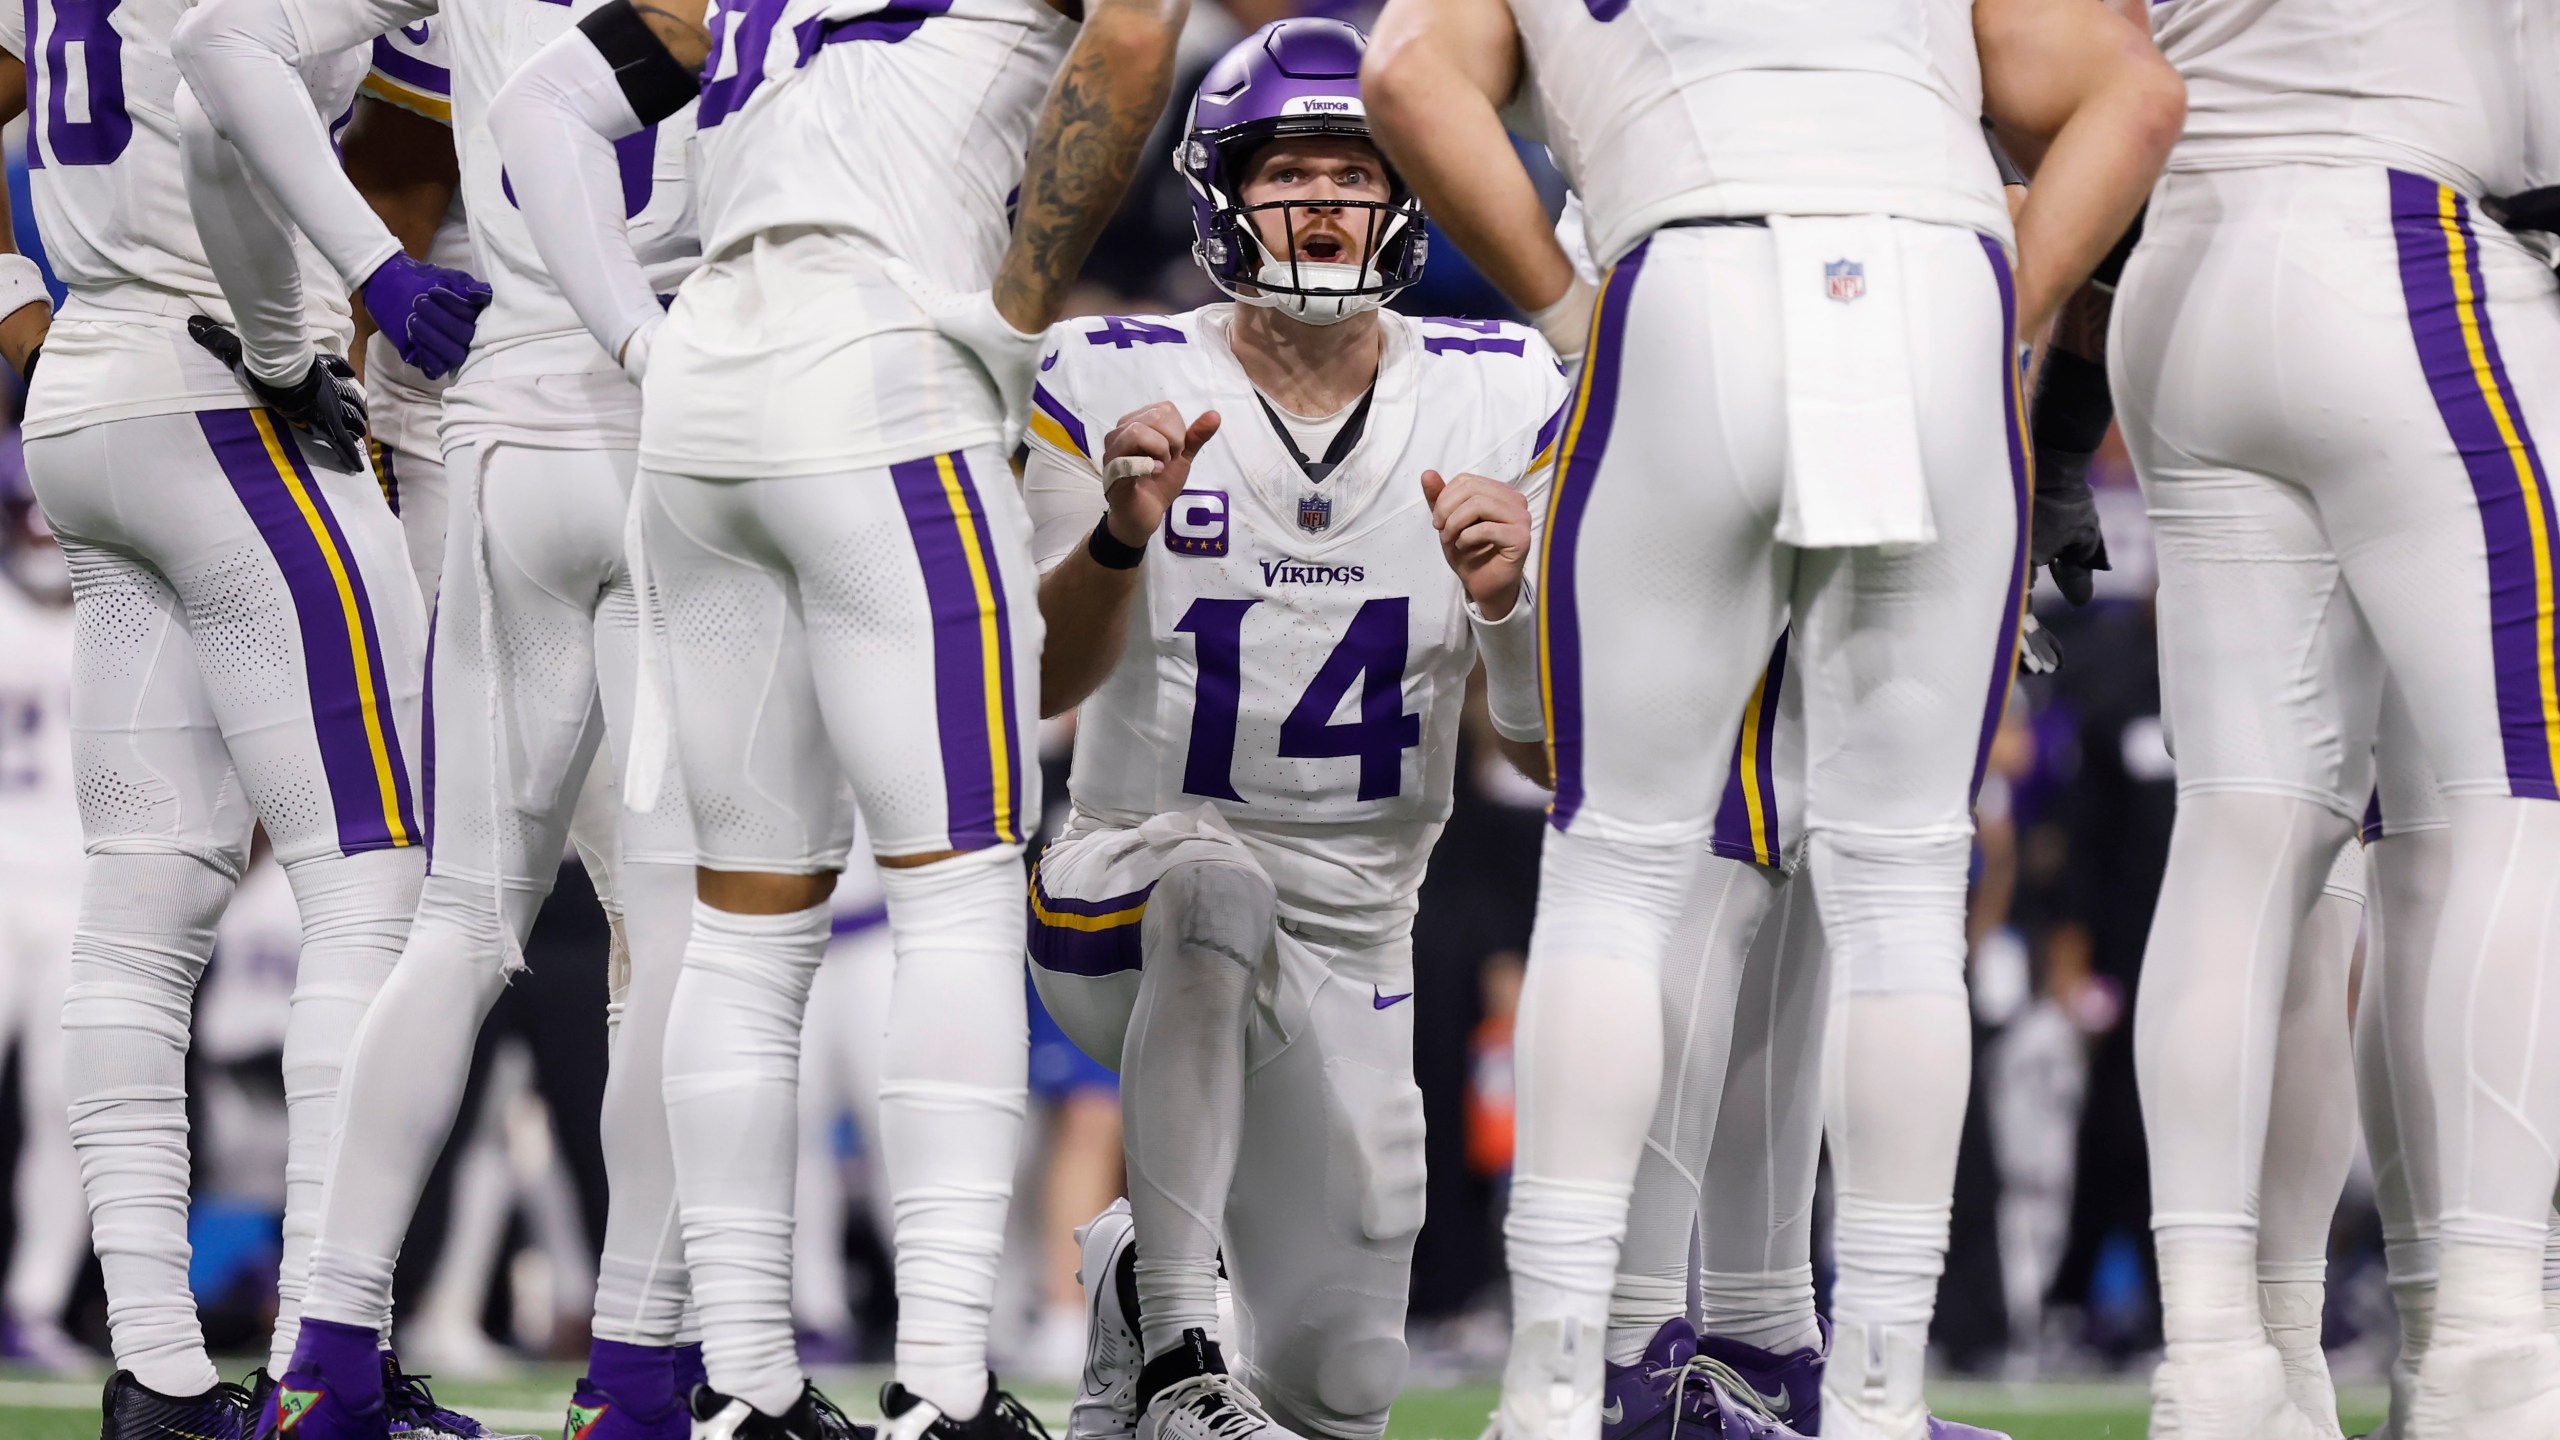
<point>2050,1273</point>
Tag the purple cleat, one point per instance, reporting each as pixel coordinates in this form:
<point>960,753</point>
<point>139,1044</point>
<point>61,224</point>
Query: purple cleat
<point>1786,1387</point>
<point>1671,1391</point>
<point>630,1392</point>
<point>1958,1430</point>
<point>331,1391</point>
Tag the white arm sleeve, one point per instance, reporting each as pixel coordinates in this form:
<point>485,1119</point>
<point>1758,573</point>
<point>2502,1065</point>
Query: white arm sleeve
<point>248,246</point>
<point>555,123</point>
<point>239,58</point>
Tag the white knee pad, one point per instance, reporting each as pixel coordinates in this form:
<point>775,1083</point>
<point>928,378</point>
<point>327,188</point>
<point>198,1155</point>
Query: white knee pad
<point>1210,908</point>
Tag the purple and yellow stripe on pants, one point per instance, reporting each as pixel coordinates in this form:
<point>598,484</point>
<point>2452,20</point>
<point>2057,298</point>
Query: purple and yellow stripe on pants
<point>974,703</point>
<point>1746,827</point>
<point>1086,937</point>
<point>1588,421</point>
<point>2449,320</point>
<point>351,717</point>
<point>2004,661</point>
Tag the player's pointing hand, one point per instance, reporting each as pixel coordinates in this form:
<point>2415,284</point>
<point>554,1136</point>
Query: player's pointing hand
<point>1484,533</point>
<point>1146,460</point>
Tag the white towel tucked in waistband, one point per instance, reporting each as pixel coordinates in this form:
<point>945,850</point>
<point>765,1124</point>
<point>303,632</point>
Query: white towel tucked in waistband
<point>1853,431</point>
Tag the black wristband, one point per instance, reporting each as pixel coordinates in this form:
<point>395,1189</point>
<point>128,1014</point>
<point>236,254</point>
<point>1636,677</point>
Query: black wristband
<point>2073,404</point>
<point>651,80</point>
<point>1109,552</point>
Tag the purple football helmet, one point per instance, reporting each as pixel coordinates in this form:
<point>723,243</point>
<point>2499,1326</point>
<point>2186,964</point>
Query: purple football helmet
<point>1291,77</point>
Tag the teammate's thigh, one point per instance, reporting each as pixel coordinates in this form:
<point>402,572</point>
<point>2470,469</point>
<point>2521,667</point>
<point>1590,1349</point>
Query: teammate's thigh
<point>1760,816</point>
<point>662,834</point>
<point>1328,1192</point>
<point>154,775</point>
<point>763,783</point>
<point>1660,592</point>
<point>1089,896</point>
<point>306,624</point>
<point>1905,653</point>
<point>917,591</point>
<point>408,459</point>
<point>2448,528</point>
<point>535,541</point>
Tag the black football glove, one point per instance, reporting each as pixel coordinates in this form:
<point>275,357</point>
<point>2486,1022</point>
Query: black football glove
<point>2065,533</point>
<point>325,407</point>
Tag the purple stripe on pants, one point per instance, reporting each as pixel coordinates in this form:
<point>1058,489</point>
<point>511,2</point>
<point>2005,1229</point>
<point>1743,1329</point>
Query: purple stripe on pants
<point>1067,950</point>
<point>330,654</point>
<point>1732,837</point>
<point>1587,442</point>
<point>2518,578</point>
<point>969,749</point>
<point>2004,661</point>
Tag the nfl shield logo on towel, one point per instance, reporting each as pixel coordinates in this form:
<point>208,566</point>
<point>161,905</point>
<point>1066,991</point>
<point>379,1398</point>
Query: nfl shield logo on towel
<point>1315,512</point>
<point>1844,280</point>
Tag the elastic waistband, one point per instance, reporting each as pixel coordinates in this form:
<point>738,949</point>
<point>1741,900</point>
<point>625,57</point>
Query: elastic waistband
<point>1717,222</point>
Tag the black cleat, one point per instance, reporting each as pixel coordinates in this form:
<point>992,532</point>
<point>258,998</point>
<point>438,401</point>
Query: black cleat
<point>908,1416</point>
<point>812,1417</point>
<point>132,1410</point>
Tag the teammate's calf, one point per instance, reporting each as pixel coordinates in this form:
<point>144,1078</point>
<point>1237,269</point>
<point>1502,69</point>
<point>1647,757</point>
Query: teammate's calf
<point>146,930</point>
<point>1207,928</point>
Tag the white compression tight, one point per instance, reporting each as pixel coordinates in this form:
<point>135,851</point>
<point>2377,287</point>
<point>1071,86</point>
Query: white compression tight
<point>146,931</point>
<point>1704,978</point>
<point>640,1280</point>
<point>1182,1068</point>
<point>2408,872</point>
<point>405,1075</point>
<point>953,1094</point>
<point>2492,1004</point>
<point>2311,1142</point>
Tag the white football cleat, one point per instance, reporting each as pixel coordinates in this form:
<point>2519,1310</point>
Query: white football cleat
<point>2503,1388</point>
<point>1106,1403</point>
<point>2218,1392</point>
<point>1213,1406</point>
<point>1551,1384</point>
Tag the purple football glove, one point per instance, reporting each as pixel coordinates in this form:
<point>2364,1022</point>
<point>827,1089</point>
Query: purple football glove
<point>428,311</point>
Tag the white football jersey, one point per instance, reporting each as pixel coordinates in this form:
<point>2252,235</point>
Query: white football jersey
<point>529,328</point>
<point>2429,86</point>
<point>842,143</point>
<point>39,811</point>
<point>111,204</point>
<point>1299,652</point>
<point>1662,110</point>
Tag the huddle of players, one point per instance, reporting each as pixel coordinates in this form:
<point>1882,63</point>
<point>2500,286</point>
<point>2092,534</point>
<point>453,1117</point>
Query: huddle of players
<point>756,542</point>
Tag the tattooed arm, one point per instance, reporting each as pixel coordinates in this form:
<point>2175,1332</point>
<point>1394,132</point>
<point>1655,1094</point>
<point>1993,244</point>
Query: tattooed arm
<point>1104,103</point>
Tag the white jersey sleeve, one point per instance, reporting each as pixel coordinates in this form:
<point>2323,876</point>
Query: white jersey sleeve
<point>1062,475</point>
<point>13,31</point>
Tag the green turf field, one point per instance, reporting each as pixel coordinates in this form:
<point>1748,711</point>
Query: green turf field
<point>38,1409</point>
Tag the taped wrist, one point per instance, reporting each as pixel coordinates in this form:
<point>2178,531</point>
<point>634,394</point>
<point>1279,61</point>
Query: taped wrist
<point>2073,405</point>
<point>1510,650</point>
<point>651,79</point>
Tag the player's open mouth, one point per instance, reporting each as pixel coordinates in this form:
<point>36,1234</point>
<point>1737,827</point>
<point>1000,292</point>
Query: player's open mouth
<point>1322,249</point>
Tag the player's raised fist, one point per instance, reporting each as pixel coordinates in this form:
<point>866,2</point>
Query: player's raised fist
<point>1146,460</point>
<point>1484,534</point>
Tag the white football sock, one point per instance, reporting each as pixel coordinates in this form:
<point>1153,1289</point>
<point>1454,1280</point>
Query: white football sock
<point>1896,1076</point>
<point>2407,872</point>
<point>406,1066</point>
<point>1756,1222</point>
<point>641,1290</point>
<point>2492,1010</point>
<point>1587,1057</point>
<point>1207,928</point>
<point>2551,1279</point>
<point>954,1086</point>
<point>146,931</point>
<point>356,912</point>
<point>732,1081</point>
<point>1702,976</point>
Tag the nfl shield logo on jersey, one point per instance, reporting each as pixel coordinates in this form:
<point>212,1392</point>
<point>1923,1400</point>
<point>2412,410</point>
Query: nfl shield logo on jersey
<point>1315,512</point>
<point>1844,280</point>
